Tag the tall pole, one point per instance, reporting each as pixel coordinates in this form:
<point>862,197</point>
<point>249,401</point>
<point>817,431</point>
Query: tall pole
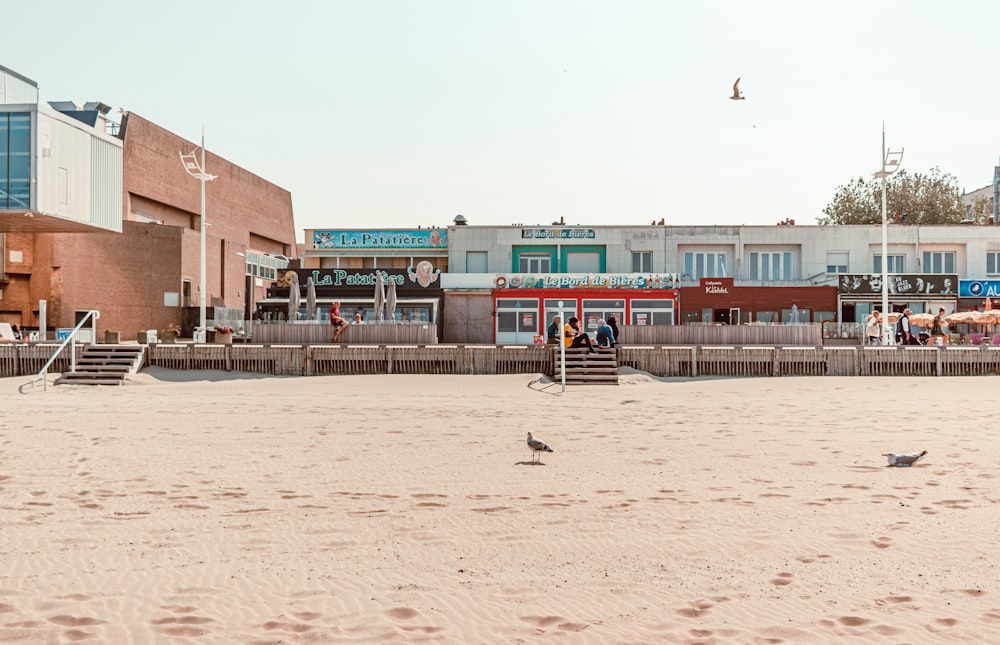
<point>890,164</point>
<point>202,321</point>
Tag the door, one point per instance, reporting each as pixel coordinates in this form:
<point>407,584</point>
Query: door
<point>517,321</point>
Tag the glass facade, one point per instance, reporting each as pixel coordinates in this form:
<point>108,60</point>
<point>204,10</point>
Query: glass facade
<point>15,160</point>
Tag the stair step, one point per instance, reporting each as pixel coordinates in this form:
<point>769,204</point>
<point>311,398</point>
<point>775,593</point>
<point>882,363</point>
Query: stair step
<point>65,381</point>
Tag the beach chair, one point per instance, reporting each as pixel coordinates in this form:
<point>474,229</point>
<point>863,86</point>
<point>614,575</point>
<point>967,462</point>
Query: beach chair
<point>976,339</point>
<point>996,339</point>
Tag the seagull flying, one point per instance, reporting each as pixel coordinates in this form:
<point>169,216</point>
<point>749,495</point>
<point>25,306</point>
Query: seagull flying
<point>737,94</point>
<point>537,446</point>
<point>903,460</point>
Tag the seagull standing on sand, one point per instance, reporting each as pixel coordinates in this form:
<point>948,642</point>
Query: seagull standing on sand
<point>737,94</point>
<point>903,460</point>
<point>537,446</point>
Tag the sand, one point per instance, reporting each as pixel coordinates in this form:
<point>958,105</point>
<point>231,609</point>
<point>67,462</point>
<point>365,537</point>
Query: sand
<point>203,507</point>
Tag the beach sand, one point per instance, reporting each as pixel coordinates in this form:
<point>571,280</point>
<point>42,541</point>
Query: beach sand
<point>204,507</point>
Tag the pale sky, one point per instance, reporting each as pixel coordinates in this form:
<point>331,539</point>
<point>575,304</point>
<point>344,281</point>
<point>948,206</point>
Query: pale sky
<point>399,113</point>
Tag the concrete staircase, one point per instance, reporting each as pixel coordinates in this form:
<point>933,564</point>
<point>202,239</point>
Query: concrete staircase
<point>104,365</point>
<point>584,368</point>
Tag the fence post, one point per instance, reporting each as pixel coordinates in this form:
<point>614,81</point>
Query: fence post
<point>388,359</point>
<point>776,362</point>
<point>694,360</point>
<point>940,366</point>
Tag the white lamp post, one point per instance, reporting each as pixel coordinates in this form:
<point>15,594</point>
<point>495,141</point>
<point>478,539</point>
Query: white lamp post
<point>890,164</point>
<point>562,346</point>
<point>197,170</point>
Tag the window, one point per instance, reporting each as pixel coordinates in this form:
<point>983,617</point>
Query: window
<point>475,261</point>
<point>836,262</point>
<point>15,160</point>
<point>771,266</point>
<point>939,262</point>
<point>583,262</point>
<point>993,262</point>
<point>642,262</point>
<point>534,263</point>
<point>704,265</point>
<point>896,264</point>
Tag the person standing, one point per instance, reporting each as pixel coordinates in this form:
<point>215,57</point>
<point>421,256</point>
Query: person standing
<point>937,333</point>
<point>873,328</point>
<point>903,335</point>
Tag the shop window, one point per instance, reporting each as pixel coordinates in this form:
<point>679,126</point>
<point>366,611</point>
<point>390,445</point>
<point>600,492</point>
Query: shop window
<point>704,265</point>
<point>771,265</point>
<point>794,316</point>
<point>896,264</point>
<point>15,160</point>
<point>642,262</point>
<point>993,262</point>
<point>475,261</point>
<point>767,316</point>
<point>939,262</point>
<point>824,316</point>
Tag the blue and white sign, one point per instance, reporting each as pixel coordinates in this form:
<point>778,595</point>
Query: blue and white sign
<point>979,288</point>
<point>422,238</point>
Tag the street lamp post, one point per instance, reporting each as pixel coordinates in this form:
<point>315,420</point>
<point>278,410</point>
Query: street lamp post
<point>197,170</point>
<point>890,164</point>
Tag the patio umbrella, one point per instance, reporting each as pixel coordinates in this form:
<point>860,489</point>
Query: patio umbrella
<point>293,297</point>
<point>310,299</point>
<point>925,320</point>
<point>379,296</point>
<point>390,302</point>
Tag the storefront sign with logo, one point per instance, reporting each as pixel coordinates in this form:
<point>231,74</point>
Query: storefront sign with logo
<point>717,287</point>
<point>558,234</point>
<point>341,281</point>
<point>979,288</point>
<point>588,281</point>
<point>431,238</point>
<point>924,284</point>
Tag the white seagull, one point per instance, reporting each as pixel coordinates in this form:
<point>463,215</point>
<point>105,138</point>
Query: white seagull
<point>903,460</point>
<point>737,94</point>
<point>537,446</point>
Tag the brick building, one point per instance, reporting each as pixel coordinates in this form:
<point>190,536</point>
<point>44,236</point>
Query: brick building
<point>148,274</point>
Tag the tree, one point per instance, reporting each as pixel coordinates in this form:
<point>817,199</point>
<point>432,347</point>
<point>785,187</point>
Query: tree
<point>932,198</point>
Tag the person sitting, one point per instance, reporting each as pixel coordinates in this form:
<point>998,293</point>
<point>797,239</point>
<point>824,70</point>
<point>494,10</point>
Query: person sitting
<point>358,320</point>
<point>613,324</point>
<point>574,337</point>
<point>552,333</point>
<point>339,324</point>
<point>605,335</point>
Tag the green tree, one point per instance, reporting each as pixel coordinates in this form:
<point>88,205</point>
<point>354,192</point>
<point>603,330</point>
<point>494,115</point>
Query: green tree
<point>932,198</point>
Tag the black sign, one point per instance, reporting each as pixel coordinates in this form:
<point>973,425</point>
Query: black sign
<point>906,284</point>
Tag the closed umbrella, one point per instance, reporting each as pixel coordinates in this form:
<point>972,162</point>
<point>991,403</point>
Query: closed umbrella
<point>390,302</point>
<point>293,297</point>
<point>379,296</point>
<point>310,299</point>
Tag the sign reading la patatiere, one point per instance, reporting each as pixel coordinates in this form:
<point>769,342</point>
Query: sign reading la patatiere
<point>423,238</point>
<point>589,281</point>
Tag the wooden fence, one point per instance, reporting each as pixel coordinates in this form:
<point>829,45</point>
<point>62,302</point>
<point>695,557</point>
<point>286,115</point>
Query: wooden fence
<point>315,334</point>
<point>808,334</point>
<point>691,361</point>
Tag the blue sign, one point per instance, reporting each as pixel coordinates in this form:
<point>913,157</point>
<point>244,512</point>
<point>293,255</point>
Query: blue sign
<point>422,238</point>
<point>63,334</point>
<point>979,288</point>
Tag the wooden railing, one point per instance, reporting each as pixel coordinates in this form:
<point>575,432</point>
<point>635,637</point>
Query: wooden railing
<point>691,361</point>
<point>316,334</point>
<point>809,334</point>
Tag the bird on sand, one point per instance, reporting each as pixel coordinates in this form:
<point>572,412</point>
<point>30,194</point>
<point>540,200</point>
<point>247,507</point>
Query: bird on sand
<point>903,460</point>
<point>737,94</point>
<point>537,446</point>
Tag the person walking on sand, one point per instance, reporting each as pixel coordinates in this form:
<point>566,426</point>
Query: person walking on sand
<point>903,335</point>
<point>873,329</point>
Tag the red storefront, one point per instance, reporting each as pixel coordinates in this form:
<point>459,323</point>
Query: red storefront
<point>523,313</point>
<point>718,300</point>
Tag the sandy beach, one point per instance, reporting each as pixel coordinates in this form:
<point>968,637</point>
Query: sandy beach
<point>204,507</point>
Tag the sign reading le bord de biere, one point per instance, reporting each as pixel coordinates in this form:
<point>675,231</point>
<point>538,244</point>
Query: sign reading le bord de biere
<point>423,238</point>
<point>558,234</point>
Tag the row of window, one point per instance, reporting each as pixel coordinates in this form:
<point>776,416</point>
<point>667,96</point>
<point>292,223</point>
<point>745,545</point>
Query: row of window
<point>15,160</point>
<point>773,266</point>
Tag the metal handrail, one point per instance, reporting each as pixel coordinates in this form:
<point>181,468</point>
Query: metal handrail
<point>43,374</point>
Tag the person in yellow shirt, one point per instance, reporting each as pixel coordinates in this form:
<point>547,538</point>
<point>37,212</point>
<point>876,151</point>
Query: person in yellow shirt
<point>574,337</point>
